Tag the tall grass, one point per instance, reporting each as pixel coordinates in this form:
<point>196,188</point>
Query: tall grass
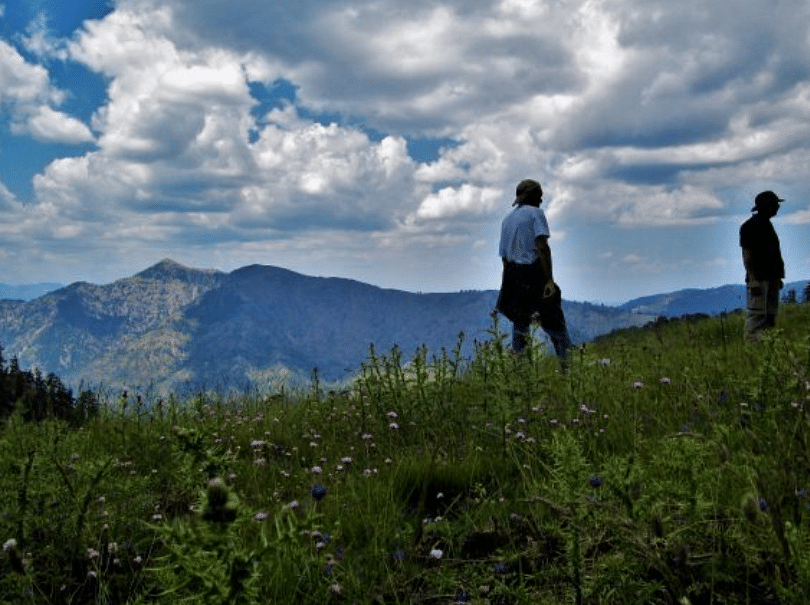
<point>669,465</point>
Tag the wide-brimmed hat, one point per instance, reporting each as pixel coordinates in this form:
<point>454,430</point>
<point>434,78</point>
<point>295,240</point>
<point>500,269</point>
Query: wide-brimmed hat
<point>765,198</point>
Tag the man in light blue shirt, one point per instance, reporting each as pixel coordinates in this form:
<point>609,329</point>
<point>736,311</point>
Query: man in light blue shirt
<point>528,292</point>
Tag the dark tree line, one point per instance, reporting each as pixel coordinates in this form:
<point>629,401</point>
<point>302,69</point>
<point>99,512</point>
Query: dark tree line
<point>37,397</point>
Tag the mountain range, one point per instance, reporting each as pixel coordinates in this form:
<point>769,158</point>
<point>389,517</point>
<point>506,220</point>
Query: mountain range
<point>175,328</point>
<point>26,291</point>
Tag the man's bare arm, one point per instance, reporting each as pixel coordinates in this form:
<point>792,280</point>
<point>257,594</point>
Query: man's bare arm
<point>748,262</point>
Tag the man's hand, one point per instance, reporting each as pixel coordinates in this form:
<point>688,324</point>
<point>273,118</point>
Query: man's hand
<point>550,289</point>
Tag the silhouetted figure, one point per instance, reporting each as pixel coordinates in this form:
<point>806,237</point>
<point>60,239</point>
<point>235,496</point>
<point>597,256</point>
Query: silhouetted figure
<point>528,292</point>
<point>764,267</point>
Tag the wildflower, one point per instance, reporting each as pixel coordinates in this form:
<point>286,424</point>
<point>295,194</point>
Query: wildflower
<point>595,482</point>
<point>638,384</point>
<point>336,589</point>
<point>584,408</point>
<point>9,545</point>
<point>92,553</point>
<point>157,517</point>
<point>137,561</point>
<point>318,492</point>
<point>367,436</point>
<point>293,505</point>
<point>398,556</point>
<point>763,505</point>
<point>665,380</point>
<point>392,415</point>
<point>436,554</point>
<point>257,444</point>
<point>393,426</point>
<point>260,516</point>
<point>317,470</point>
<point>284,474</point>
<point>259,462</point>
<point>802,493</point>
<point>500,568</point>
<point>340,552</point>
<point>462,598</point>
<point>370,472</point>
<point>346,460</point>
<point>521,421</point>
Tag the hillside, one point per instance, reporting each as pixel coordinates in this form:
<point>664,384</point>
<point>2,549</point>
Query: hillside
<point>669,466</point>
<point>173,327</point>
<point>710,301</point>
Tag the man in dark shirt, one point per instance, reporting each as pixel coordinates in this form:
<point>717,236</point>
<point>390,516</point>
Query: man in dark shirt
<point>764,267</point>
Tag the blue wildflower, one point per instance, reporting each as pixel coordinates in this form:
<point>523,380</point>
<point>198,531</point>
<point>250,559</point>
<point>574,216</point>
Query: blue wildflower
<point>763,506</point>
<point>595,482</point>
<point>318,492</point>
<point>500,568</point>
<point>802,493</point>
<point>398,556</point>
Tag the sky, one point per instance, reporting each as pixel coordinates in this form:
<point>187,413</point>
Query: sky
<point>382,140</point>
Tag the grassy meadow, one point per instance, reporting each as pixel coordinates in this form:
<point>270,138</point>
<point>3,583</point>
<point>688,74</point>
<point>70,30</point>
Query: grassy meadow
<point>670,465</point>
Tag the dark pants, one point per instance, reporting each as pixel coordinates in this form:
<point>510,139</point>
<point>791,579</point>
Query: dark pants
<point>553,323</point>
<point>521,301</point>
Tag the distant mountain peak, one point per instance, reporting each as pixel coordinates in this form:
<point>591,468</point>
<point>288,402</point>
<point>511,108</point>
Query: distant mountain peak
<point>170,269</point>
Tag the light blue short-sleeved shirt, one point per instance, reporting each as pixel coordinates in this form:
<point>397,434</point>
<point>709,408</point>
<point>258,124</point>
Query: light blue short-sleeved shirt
<point>519,230</point>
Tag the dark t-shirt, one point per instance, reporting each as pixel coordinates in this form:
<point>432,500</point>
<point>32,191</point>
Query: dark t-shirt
<point>758,236</point>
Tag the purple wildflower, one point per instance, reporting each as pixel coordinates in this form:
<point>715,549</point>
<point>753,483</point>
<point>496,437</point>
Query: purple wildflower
<point>318,492</point>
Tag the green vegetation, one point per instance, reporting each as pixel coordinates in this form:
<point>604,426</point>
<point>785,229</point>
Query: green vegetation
<point>671,465</point>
